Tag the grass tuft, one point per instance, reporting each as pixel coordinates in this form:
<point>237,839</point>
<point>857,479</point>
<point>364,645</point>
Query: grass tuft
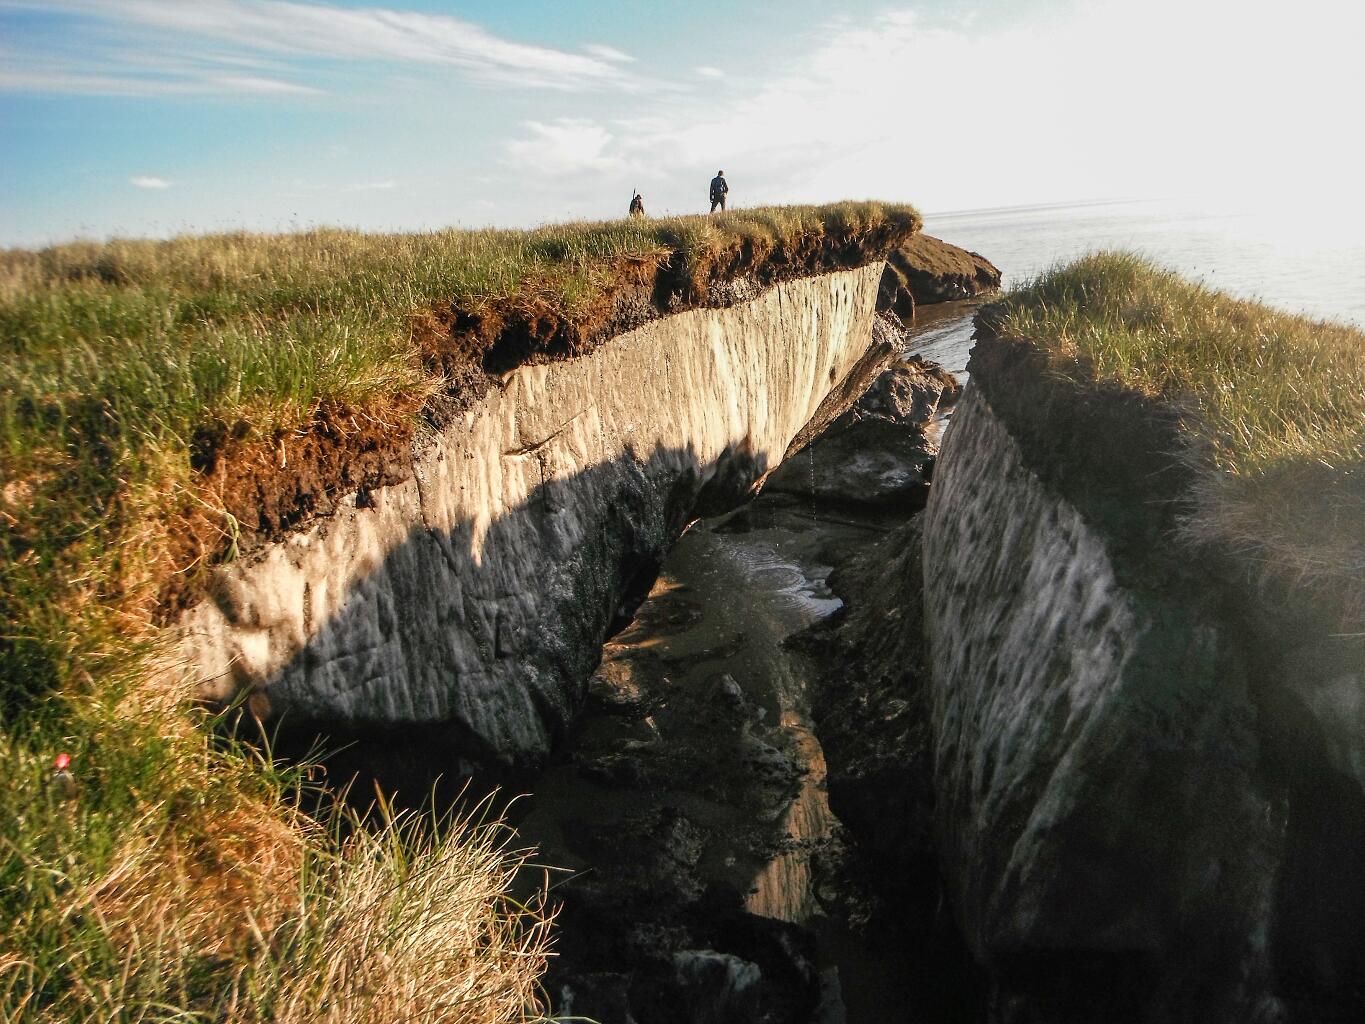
<point>219,901</point>
<point>405,924</point>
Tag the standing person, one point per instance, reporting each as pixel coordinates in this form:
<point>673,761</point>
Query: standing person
<point>720,188</point>
<point>637,205</point>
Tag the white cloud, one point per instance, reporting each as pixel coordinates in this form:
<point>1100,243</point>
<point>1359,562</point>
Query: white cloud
<point>292,32</point>
<point>609,53</point>
<point>1091,99</point>
<point>148,181</point>
<point>706,71</point>
<point>59,78</point>
<point>371,186</point>
<point>258,84</point>
<point>564,146</point>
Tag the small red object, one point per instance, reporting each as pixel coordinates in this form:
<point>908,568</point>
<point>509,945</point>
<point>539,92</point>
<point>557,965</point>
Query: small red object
<point>63,760</point>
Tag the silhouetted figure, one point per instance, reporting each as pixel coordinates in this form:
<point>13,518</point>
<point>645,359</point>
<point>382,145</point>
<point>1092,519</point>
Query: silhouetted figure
<point>637,205</point>
<point>720,188</point>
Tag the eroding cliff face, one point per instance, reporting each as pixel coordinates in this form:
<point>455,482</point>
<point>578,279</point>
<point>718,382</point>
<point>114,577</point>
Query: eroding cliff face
<point>1121,760</point>
<point>475,594</point>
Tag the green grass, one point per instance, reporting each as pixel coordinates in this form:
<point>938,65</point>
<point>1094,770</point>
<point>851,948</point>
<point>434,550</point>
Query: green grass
<point>112,356</point>
<point>167,334</point>
<point>1276,402</point>
<point>216,900</point>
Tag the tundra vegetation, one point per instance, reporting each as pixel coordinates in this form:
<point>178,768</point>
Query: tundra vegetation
<point>184,878</point>
<point>1273,405</point>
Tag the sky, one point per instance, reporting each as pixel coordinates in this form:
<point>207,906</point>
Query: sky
<point>153,117</point>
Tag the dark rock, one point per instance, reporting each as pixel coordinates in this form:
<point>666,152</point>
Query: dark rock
<point>618,770</point>
<point>612,688</point>
<point>728,691</point>
<point>873,463</point>
<point>926,270</point>
<point>895,295</point>
<point>878,452</point>
<point>720,986</point>
<point>599,995</point>
<point>909,393</point>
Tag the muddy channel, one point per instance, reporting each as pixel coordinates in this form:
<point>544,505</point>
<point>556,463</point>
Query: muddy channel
<point>699,873</point>
<point>703,875</point>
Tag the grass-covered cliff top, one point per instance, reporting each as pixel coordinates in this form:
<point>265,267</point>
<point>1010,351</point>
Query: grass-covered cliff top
<point>146,391</point>
<point>1275,401</point>
<point>269,326</point>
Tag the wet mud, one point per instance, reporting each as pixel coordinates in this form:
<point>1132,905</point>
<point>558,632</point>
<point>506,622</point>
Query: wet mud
<point>705,875</point>
<point>690,807</point>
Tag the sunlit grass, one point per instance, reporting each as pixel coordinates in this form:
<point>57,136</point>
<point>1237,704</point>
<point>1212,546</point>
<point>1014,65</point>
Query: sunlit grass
<point>216,900</point>
<point>1276,400</point>
<point>181,884</point>
<point>268,326</point>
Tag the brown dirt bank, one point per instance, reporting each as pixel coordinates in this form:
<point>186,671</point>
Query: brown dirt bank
<point>270,486</point>
<point>533,325</point>
<point>926,269</point>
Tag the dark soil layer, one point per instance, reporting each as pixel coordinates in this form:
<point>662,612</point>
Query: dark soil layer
<point>273,486</point>
<point>871,714</point>
<point>926,269</point>
<point>1127,472</point>
<point>533,327</point>
<point>270,487</point>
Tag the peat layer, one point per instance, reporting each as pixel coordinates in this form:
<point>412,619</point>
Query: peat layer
<point>272,486</point>
<point>926,270</point>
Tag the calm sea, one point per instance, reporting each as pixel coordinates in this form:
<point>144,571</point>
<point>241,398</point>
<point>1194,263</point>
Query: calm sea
<point>1306,261</point>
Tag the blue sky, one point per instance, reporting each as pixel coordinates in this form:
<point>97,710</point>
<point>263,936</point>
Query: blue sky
<point>147,117</point>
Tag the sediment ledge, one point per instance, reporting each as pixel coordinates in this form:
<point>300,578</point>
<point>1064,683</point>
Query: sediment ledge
<point>1145,766</point>
<point>566,303</point>
<point>925,269</point>
<point>477,592</point>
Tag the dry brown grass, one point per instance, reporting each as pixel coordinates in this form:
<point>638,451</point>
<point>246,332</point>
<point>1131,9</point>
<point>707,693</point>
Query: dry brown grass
<point>208,893</point>
<point>260,922</point>
<point>413,929</point>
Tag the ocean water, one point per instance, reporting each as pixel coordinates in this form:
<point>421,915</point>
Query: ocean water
<point>1302,259</point>
<point>1308,262</point>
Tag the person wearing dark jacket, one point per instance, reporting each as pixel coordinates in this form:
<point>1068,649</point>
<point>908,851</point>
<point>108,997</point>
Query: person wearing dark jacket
<point>637,205</point>
<point>720,188</point>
